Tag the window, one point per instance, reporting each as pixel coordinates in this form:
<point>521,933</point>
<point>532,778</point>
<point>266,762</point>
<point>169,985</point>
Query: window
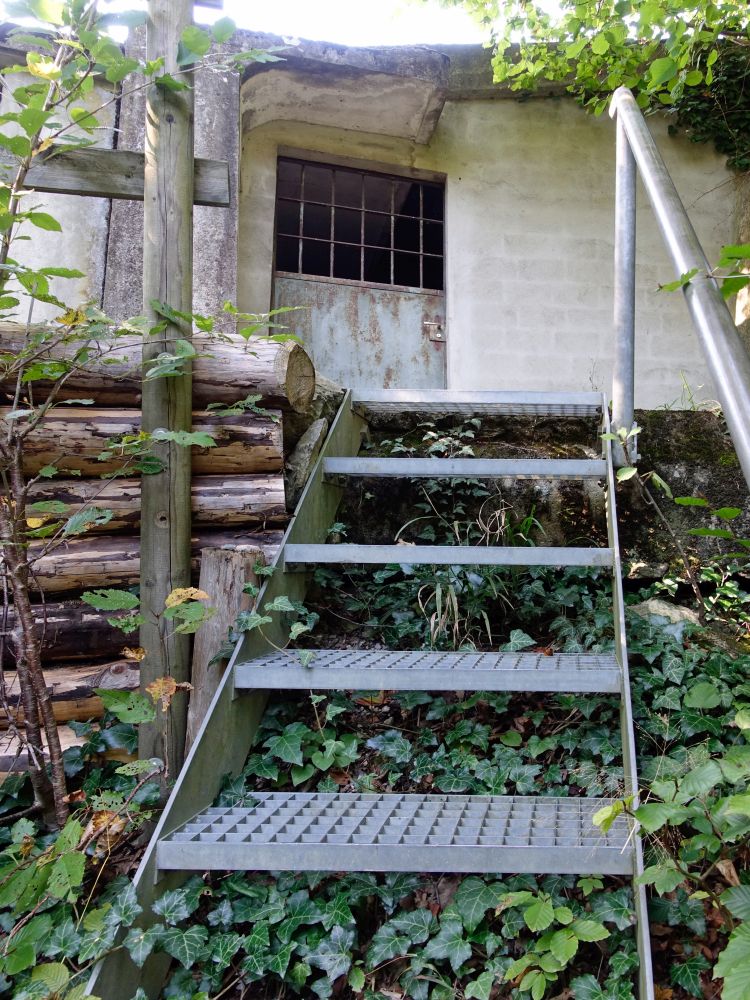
<point>336,222</point>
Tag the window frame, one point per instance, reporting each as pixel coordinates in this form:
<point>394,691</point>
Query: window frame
<point>305,158</point>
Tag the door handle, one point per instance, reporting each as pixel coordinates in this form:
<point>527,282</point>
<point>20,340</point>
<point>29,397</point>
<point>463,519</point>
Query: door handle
<point>435,331</point>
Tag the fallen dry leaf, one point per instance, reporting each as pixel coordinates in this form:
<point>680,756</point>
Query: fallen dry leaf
<point>138,653</point>
<point>728,870</point>
<point>181,594</point>
<point>164,689</point>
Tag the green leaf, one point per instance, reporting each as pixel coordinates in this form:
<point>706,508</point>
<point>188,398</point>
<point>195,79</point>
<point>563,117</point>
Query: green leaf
<point>356,979</point>
<point>587,988</point>
<point>140,943</point>
<point>449,943</point>
<point>279,604</point>
<point>687,974</point>
<point>589,930</point>
<point>627,472</point>
<point>188,946</point>
<point>66,876</point>
<point>701,780</point>
<point>539,914</point>
<point>186,439</point>
<point>334,954</point>
<point>703,695</point>
<point>480,988</point>
<point>511,738</point>
<point>737,901</point>
<point>287,746</point>
<point>54,975</point>
<point>614,908</point>
<point>223,29</point>
<point>711,533</point>
<point>664,877</point>
<point>518,640</point>
<point>111,600</point>
<point>224,947</point>
<point>662,70</point>
<point>733,965</point>
<point>684,279</point>
<point>564,944</point>
<point>599,45</point>
<point>416,925</point>
<point>653,815</point>
<point>691,501</point>
<point>473,898</point>
<point>42,220</point>
<point>50,11</point>
<point>194,43</point>
<point>386,944</point>
<point>127,706</point>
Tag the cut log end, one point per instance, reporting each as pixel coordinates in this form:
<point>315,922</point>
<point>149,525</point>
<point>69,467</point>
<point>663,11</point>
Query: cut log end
<point>300,378</point>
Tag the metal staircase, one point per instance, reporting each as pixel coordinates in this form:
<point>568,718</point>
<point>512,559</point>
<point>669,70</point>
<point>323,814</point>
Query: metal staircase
<point>400,832</point>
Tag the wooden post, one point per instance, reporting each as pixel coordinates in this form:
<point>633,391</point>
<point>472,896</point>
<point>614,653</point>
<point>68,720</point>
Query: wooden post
<point>167,276</point>
<point>224,573</point>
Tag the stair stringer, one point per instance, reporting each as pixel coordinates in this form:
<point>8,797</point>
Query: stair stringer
<point>224,739</point>
<point>643,940</point>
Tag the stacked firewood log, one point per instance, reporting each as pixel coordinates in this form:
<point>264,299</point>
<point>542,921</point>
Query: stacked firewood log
<point>237,497</point>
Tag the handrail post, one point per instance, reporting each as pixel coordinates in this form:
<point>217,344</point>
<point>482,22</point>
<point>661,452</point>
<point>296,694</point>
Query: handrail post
<point>623,375</point>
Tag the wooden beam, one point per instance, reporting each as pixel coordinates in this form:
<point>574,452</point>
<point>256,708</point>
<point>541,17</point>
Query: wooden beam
<point>167,402</point>
<point>117,173</point>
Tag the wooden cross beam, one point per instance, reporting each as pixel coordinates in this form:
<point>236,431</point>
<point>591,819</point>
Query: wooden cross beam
<point>116,173</point>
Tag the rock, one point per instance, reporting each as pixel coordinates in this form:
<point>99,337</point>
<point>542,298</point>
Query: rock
<point>300,463</point>
<point>673,617</point>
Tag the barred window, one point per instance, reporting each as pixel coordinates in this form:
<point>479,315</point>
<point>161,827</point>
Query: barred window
<point>337,222</point>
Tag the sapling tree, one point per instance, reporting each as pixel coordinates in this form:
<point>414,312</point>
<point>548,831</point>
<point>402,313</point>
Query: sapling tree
<point>70,59</point>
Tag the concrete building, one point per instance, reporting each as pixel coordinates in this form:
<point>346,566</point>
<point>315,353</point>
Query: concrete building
<point>436,230</point>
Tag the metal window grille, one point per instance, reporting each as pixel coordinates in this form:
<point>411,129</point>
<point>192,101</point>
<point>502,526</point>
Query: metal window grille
<point>355,225</point>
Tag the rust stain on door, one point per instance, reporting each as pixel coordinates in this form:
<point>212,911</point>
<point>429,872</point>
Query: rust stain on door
<point>366,336</point>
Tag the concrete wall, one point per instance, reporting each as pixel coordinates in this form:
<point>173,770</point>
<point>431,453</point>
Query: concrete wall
<point>529,236</point>
<point>81,245</point>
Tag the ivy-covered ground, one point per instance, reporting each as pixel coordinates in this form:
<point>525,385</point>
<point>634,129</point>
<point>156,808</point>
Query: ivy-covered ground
<point>449,937</point>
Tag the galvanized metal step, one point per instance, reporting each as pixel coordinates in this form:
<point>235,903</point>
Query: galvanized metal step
<point>318,831</point>
<point>477,402</point>
<point>469,468</point>
<point>382,669</point>
<point>446,555</point>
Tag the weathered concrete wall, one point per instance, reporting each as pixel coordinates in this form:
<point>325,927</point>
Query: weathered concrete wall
<point>214,229</point>
<point>81,245</point>
<point>529,241</point>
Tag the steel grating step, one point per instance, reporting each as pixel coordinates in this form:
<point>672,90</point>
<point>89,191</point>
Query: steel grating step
<point>380,669</point>
<point>318,831</point>
<point>477,402</point>
<point>446,555</point>
<point>470,468</point>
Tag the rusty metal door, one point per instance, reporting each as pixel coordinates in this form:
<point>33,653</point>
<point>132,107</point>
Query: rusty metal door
<point>368,337</point>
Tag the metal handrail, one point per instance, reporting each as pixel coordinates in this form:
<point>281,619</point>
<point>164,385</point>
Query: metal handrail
<point>727,358</point>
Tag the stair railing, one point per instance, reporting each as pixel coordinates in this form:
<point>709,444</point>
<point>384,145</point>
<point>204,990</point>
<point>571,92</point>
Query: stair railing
<point>726,356</point>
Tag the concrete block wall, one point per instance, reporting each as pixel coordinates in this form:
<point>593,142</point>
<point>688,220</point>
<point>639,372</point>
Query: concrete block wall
<point>529,241</point>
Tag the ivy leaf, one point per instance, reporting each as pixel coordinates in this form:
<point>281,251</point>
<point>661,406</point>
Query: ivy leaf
<point>64,940</point>
<point>480,988</point>
<point>224,947</point>
<point>140,943</point>
<point>279,961</point>
<point>287,746</point>
<point>473,898</point>
<point>386,944</point>
<point>687,974</point>
<point>337,911</point>
<point>173,906</point>
<point>125,907</point>
<point>614,908</point>
<point>450,943</point>
<point>299,910</point>
<point>188,946</point>
<point>334,954</point>
<point>587,988</point>
<point>392,745</point>
<point>256,950</point>
<point>417,925</point>
<point>518,640</point>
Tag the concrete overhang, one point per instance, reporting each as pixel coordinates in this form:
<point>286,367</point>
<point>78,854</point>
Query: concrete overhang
<point>396,91</point>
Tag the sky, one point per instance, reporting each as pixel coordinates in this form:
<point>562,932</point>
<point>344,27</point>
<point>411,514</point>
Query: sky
<point>356,22</point>
<point>349,22</point>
